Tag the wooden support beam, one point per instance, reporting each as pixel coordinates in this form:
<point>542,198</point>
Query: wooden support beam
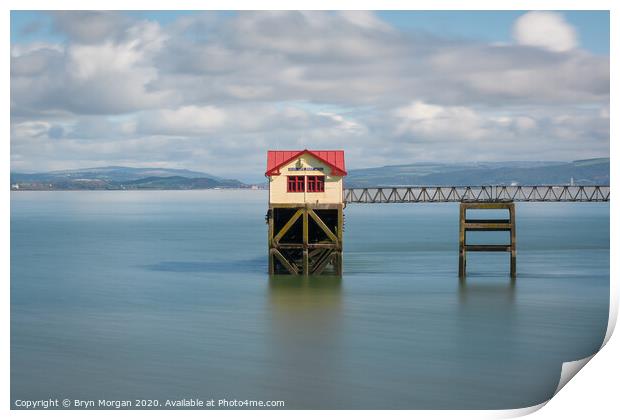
<point>462,240</point>
<point>315,206</point>
<point>330,245</point>
<point>338,262</point>
<point>485,205</point>
<point>304,262</point>
<point>483,221</point>
<point>269,241</point>
<point>323,263</point>
<point>340,225</point>
<point>487,248</point>
<point>316,261</point>
<point>287,226</point>
<point>304,256</point>
<point>488,226</point>
<point>338,255</point>
<point>305,228</point>
<point>315,252</point>
<point>323,226</point>
<point>291,267</point>
<point>513,241</point>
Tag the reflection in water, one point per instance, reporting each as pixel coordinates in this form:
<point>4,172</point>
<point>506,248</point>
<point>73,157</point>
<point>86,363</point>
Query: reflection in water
<point>250,265</point>
<point>296,293</point>
<point>490,304</point>
<point>305,319</point>
<point>502,291</point>
<point>486,329</point>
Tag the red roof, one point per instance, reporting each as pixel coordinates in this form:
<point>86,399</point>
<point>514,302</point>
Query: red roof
<point>277,158</point>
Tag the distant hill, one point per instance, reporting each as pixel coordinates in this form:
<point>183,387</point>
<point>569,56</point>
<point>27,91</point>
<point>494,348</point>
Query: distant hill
<point>582,172</point>
<point>119,178</point>
<point>180,182</point>
<point>112,173</point>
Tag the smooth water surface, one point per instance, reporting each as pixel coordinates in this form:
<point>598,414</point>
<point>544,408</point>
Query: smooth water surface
<point>165,295</point>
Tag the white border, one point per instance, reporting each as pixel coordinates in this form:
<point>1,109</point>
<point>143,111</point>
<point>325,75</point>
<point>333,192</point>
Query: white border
<point>592,394</point>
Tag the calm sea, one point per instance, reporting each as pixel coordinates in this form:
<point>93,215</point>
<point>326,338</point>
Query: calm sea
<point>165,295</point>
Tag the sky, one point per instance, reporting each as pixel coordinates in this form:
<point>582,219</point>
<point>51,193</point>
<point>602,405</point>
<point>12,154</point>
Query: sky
<point>213,91</point>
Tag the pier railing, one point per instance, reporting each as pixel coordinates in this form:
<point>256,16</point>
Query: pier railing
<point>487,193</point>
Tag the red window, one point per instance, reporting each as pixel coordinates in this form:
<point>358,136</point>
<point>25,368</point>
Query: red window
<point>316,184</point>
<point>295,184</point>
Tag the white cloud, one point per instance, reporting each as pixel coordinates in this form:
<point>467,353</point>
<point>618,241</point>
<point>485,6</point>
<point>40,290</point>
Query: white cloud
<point>89,26</point>
<point>364,19</point>
<point>203,90</point>
<point>437,122</point>
<point>509,75</point>
<point>184,120</point>
<point>24,49</point>
<point>30,129</point>
<point>464,133</point>
<point>347,125</point>
<point>110,77</point>
<point>547,30</point>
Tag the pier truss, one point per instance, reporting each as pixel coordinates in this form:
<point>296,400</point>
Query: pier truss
<point>488,193</point>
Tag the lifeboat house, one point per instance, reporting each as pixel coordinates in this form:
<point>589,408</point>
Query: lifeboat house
<point>305,215</point>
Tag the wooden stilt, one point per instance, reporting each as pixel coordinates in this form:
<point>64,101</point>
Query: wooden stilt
<point>513,241</point>
<point>338,263</point>
<point>305,264</point>
<point>340,225</point>
<point>270,261</point>
<point>462,241</point>
<point>338,257</point>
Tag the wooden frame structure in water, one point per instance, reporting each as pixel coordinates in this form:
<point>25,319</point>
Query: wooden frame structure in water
<point>305,238</point>
<point>486,225</point>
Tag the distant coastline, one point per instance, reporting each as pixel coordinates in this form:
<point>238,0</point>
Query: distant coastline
<point>119,178</point>
<point>138,189</point>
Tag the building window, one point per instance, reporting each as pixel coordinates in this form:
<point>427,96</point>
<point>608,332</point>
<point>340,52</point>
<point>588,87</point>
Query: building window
<point>295,184</point>
<point>316,184</point>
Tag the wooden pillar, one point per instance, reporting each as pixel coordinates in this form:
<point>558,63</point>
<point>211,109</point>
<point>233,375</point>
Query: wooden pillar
<point>270,234</point>
<point>461,240</point>
<point>269,241</point>
<point>305,264</point>
<point>338,263</point>
<point>513,241</point>
<point>340,225</point>
<point>340,228</point>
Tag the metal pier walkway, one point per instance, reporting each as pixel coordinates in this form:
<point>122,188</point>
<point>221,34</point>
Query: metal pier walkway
<point>481,194</point>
